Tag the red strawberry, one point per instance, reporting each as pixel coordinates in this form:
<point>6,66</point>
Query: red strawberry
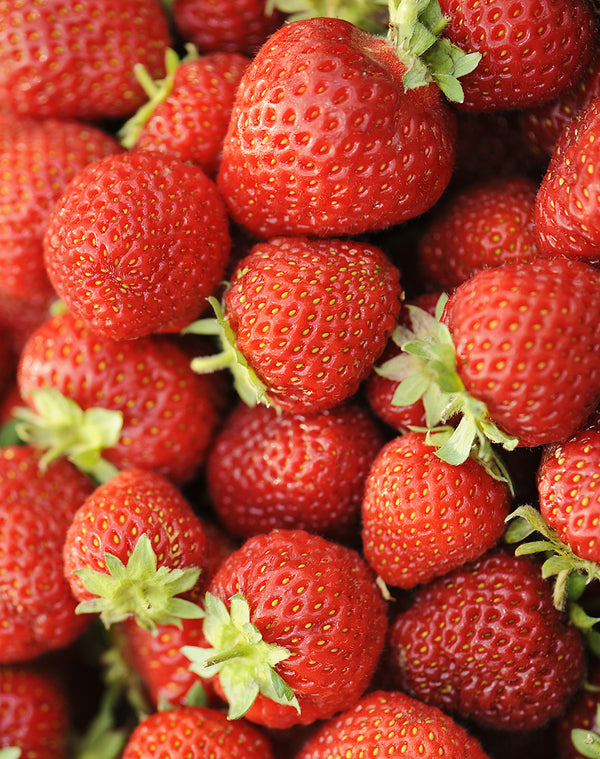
<point>531,49</point>
<point>486,642</point>
<point>38,158</point>
<point>304,320</point>
<point>77,60</point>
<point>579,726</point>
<point>34,714</point>
<point>337,131</point>
<point>391,724</point>
<point>37,505</point>
<point>167,414</point>
<point>196,732</point>
<point>296,625</point>
<point>306,471</point>
<point>567,212</point>
<point>423,517</point>
<point>137,243</point>
<point>132,548</point>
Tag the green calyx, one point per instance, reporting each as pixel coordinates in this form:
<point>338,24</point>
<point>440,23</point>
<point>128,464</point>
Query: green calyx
<point>62,428</point>
<point>244,662</point>
<point>248,386</point>
<point>415,32</point>
<point>370,15</point>
<point>140,589</point>
<point>586,742</point>
<point>157,90</point>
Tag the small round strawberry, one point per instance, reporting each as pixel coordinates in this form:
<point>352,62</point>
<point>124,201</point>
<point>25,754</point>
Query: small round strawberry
<point>531,50</point>
<point>76,60</point>
<point>137,243</point>
<point>423,517</point>
<point>390,723</point>
<point>37,505</point>
<point>296,626</point>
<point>132,548</point>
<point>486,643</point>
<point>34,714</point>
<point>193,733</point>
<point>307,471</point>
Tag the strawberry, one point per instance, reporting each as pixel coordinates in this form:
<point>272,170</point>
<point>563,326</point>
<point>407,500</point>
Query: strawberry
<point>196,732</point>
<point>165,413</point>
<point>34,714</point>
<point>578,730</point>
<point>133,546</point>
<point>38,158</point>
<point>76,60</point>
<point>37,607</point>
<point>423,517</point>
<point>304,320</point>
<point>532,50</point>
<point>306,471</point>
<point>484,225</point>
<point>566,208</point>
<point>390,723</point>
<point>485,642</point>
<point>137,243</point>
<point>350,134</point>
<point>296,625</point>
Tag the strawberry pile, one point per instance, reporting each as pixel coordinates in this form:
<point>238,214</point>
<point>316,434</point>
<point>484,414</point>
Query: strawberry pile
<point>299,379</point>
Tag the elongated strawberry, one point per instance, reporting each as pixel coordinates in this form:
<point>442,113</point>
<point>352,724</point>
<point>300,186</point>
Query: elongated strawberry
<point>137,243</point>
<point>304,320</point>
<point>296,625</point>
<point>77,60</point>
<point>37,607</point>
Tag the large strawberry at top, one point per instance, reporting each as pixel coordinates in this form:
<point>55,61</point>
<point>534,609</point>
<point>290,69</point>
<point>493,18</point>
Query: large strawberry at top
<point>329,135</point>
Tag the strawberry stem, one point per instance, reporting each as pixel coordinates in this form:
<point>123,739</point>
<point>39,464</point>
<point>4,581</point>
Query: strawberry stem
<point>370,15</point>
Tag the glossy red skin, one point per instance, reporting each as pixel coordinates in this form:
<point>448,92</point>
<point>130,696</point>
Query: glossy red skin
<point>392,724</point>
<point>312,316</point>
<point>532,49</point>
<point>567,215</point>
<point>484,225</point>
<point>423,517</point>
<point>37,607</point>
<point>192,122</point>
<point>137,243</point>
<point>581,714</point>
<point>324,141</point>
<point>306,471</point>
<point>194,733</point>
<point>486,643</point>
<point>319,600</point>
<point>169,412</point>
<point>526,338</point>
<point>33,713</point>
<point>112,518</point>
<point>569,499</point>
<point>38,158</point>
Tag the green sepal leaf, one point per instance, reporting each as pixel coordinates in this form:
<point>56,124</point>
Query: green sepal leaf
<point>10,753</point>
<point>586,742</point>
<point>244,662</point>
<point>9,435</point>
<point>581,619</point>
<point>370,15</point>
<point>102,739</point>
<point>140,589</point>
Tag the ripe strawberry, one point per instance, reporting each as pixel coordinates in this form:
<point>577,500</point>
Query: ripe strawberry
<point>423,517</point>
<point>567,212</point>
<point>77,60</point>
<point>137,243</point>
<point>37,607</point>
<point>166,412</point>
<point>304,320</point>
<point>34,714</point>
<point>349,134</point>
<point>531,50</point>
<point>38,158</point>
<point>132,548</point>
<point>583,717</point>
<point>297,626</point>
<point>305,471</point>
<point>485,642</point>
<point>390,723</point>
<point>484,225</point>
<point>196,732</point>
